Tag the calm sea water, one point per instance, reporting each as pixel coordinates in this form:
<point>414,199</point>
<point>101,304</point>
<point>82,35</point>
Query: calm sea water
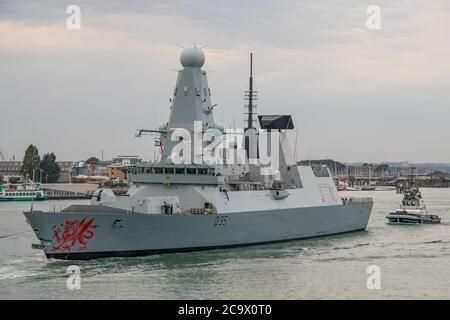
<point>414,262</point>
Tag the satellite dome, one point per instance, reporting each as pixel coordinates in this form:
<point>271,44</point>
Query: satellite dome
<point>163,126</point>
<point>192,58</point>
<point>219,126</point>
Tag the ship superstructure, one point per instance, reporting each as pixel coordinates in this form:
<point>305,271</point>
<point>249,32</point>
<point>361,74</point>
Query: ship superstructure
<point>211,188</point>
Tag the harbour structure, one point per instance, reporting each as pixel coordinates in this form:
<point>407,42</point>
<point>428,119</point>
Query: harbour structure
<point>12,169</point>
<point>59,191</point>
<point>200,195</point>
<point>120,165</point>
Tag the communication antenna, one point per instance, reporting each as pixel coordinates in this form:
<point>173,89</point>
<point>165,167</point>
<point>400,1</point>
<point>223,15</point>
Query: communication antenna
<point>295,148</point>
<point>309,157</point>
<point>250,96</point>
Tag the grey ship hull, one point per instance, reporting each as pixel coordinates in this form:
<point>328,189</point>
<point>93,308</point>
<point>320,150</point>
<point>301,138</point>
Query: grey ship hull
<point>119,234</point>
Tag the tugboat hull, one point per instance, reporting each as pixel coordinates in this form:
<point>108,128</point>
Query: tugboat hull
<point>83,236</point>
<point>411,218</point>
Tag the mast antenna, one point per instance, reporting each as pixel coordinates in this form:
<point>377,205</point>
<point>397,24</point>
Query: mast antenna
<point>250,95</point>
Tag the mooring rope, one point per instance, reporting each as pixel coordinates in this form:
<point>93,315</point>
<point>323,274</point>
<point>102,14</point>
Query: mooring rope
<point>13,234</point>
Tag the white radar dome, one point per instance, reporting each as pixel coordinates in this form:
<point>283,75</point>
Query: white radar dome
<point>192,58</point>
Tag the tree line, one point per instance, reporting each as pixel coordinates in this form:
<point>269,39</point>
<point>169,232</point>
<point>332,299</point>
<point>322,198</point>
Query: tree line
<point>35,168</point>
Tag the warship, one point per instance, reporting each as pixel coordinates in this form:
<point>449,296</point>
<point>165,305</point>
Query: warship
<point>225,191</point>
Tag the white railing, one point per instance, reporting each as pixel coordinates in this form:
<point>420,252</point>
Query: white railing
<point>356,200</point>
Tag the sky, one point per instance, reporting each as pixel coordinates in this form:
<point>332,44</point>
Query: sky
<point>355,94</point>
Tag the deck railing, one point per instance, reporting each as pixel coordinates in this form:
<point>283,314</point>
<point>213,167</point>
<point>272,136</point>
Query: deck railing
<point>352,200</point>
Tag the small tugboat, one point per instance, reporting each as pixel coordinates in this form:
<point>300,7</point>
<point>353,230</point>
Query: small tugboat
<point>25,192</point>
<point>412,210</point>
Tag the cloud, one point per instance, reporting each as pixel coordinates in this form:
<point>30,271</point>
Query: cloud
<point>314,59</point>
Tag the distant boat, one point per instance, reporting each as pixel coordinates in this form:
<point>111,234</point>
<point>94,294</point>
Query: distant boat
<point>24,192</point>
<point>353,188</point>
<point>412,209</point>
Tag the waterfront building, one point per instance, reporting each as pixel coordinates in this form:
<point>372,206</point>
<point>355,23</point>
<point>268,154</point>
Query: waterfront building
<point>11,169</point>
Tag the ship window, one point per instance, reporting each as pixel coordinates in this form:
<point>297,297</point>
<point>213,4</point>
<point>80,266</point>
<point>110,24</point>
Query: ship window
<point>158,170</point>
<point>209,91</point>
<point>197,92</point>
<point>202,171</point>
<point>175,91</point>
<point>169,170</point>
<point>205,92</point>
<point>179,170</point>
<point>191,171</point>
<point>186,91</point>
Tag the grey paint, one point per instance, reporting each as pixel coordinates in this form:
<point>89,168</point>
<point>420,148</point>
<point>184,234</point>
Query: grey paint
<point>181,232</point>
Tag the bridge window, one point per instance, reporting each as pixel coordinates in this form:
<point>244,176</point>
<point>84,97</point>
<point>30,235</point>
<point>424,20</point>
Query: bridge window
<point>191,171</point>
<point>169,170</point>
<point>148,170</point>
<point>158,170</point>
<point>202,171</point>
<point>186,91</point>
<point>179,170</point>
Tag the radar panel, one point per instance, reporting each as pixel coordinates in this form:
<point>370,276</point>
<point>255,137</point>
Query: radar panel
<point>276,122</point>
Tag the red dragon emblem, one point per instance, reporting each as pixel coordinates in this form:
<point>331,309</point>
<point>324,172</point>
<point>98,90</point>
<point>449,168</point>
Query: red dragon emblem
<point>70,233</point>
